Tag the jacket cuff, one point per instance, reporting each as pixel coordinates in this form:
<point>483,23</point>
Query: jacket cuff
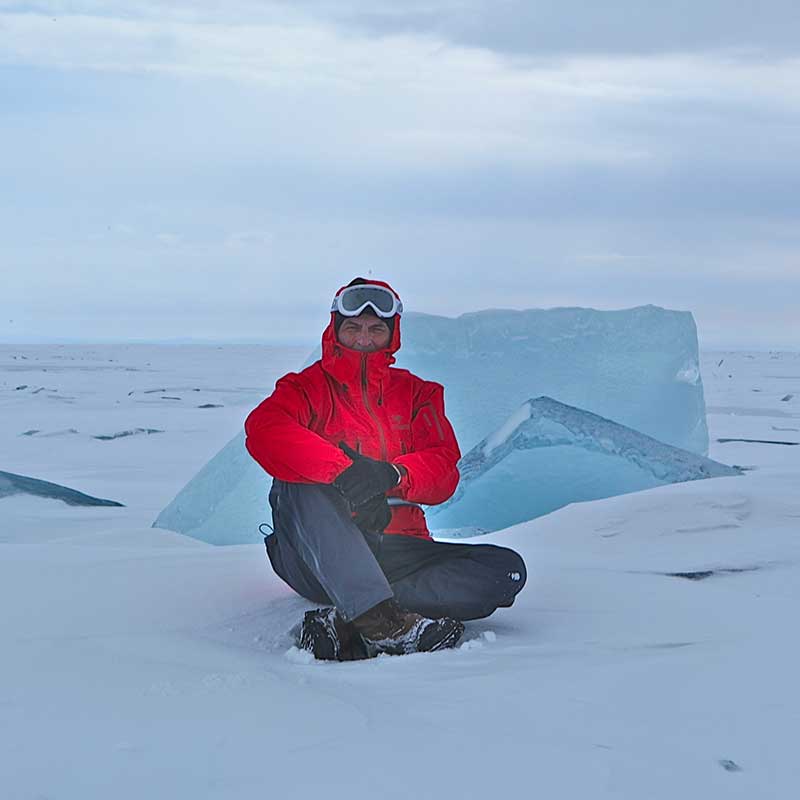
<point>402,485</point>
<point>338,472</point>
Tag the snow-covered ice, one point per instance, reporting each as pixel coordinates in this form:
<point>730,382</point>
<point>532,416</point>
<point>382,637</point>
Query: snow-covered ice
<point>637,367</point>
<point>651,654</point>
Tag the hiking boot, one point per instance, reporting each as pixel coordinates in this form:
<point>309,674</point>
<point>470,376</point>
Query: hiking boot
<point>387,628</point>
<point>329,637</point>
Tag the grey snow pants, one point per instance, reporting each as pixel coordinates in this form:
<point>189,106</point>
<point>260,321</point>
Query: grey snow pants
<point>319,551</point>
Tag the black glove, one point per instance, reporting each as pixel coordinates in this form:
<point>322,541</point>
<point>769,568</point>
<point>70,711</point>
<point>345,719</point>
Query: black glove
<point>374,515</point>
<point>365,478</point>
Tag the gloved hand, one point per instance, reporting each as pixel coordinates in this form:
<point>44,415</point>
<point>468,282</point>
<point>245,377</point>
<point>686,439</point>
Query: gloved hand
<point>365,478</point>
<point>374,515</point>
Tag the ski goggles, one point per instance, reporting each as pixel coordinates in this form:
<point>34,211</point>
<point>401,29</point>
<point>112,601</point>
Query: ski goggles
<point>353,300</point>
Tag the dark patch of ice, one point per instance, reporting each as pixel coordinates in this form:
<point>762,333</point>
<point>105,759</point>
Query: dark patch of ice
<point>729,766</point>
<point>67,432</point>
<point>699,575</point>
<point>756,441</point>
<point>122,434</point>
<point>31,432</point>
<point>20,388</point>
<point>11,484</point>
<point>167,389</point>
<point>786,398</point>
<point>702,574</point>
<point>210,405</point>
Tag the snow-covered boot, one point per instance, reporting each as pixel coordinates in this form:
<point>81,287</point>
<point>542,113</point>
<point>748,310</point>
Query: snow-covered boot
<point>328,635</point>
<point>387,628</point>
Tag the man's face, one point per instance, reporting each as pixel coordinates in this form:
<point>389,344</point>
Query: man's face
<point>366,333</point>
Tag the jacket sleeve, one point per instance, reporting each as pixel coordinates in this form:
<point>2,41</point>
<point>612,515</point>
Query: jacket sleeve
<point>279,439</point>
<point>430,469</point>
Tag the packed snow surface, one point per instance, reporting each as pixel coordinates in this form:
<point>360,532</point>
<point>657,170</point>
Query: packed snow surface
<point>652,653</point>
<point>638,367</point>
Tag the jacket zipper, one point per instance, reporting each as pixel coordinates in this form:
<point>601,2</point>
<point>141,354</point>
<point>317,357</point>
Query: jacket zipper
<point>368,406</point>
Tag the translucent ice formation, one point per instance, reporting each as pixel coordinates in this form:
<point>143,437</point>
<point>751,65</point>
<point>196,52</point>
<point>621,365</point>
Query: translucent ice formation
<point>638,367</point>
<point>600,452</point>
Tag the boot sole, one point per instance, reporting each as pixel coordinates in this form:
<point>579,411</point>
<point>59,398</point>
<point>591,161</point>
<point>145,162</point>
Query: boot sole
<point>437,636</point>
<point>450,639</point>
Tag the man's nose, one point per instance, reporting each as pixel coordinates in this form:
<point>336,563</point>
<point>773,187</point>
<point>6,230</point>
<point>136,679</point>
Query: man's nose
<point>364,337</point>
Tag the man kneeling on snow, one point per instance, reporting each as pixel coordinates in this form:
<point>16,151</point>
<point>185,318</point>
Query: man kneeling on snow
<point>354,445</point>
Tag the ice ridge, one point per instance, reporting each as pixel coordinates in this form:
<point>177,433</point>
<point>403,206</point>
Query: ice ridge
<point>11,484</point>
<point>544,422</point>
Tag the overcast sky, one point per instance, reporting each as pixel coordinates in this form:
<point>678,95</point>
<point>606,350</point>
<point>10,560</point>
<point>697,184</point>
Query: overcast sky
<point>216,170</point>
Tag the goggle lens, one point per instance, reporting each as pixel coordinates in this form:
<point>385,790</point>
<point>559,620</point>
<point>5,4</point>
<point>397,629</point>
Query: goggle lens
<point>354,299</point>
<point>357,296</point>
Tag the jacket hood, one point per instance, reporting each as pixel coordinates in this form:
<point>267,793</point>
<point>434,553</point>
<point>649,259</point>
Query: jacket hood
<point>343,363</point>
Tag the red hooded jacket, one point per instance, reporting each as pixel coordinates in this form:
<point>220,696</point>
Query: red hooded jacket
<point>379,410</point>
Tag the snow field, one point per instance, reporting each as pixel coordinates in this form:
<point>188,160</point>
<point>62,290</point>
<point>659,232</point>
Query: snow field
<point>141,662</point>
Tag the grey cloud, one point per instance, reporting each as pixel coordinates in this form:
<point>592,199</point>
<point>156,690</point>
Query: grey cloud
<point>694,188</point>
<point>537,27</point>
<point>146,145</point>
<point>528,28</point>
